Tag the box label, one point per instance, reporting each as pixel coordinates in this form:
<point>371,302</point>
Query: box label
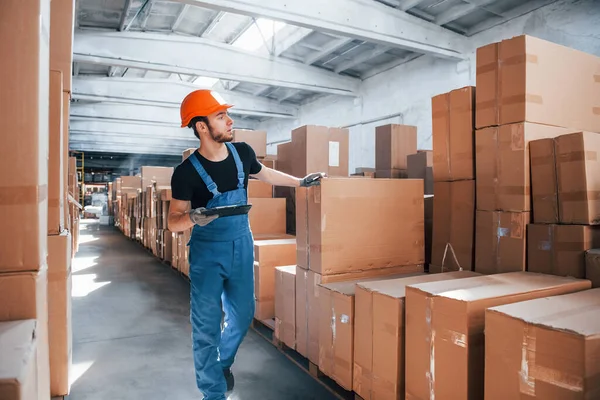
<point>334,154</point>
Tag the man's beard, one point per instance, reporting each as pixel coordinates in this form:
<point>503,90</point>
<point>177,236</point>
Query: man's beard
<point>221,137</point>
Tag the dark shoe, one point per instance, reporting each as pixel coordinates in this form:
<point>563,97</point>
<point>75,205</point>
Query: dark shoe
<point>229,379</point>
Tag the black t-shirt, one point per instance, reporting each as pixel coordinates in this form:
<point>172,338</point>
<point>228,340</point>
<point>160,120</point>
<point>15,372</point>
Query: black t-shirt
<point>187,185</point>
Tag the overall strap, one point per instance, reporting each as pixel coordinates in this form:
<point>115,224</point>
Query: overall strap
<point>238,163</point>
<point>210,184</point>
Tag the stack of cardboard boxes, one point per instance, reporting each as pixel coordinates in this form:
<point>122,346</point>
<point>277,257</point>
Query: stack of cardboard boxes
<point>393,144</point>
<point>517,80</point>
<point>453,116</point>
<point>35,252</point>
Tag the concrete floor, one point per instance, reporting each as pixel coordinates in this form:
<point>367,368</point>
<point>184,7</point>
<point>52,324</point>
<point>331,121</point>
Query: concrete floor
<point>132,337</point>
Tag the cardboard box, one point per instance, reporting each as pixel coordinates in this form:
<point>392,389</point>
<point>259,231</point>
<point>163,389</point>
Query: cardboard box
<point>268,255</point>
<point>339,151</point>
<point>379,330</point>
<point>302,227</point>
<point>259,189</point>
<point>501,244</point>
<point>166,194</point>
<point>453,225</point>
<point>59,312</point>
<point>131,182</point>
<point>544,184</point>
<point>187,153</point>
<point>268,163</point>
<point>336,329</point>
<point>428,203</point>
<point>391,174</point>
<point>560,249</point>
<point>160,175</point>
<point>453,124</point>
<point>530,72</point>
<point>307,302</point>
<point>175,249</point>
<point>420,166</point>
<point>285,152</point>
<point>372,238</point>
<point>24,105</point>
<point>267,215</point>
<point>18,364</point>
<point>543,348</point>
<point>445,328</point>
<point>56,162</point>
<point>24,295</point>
<point>503,165</point>
<point>62,16</point>
<point>285,305</point>
<point>393,144</point>
<point>486,96</point>
<point>167,245</point>
<point>592,266</point>
<point>289,194</point>
<point>66,103</point>
<point>578,178</point>
<point>309,150</point>
<point>255,139</point>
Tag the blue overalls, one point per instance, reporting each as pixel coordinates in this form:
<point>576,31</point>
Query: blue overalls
<point>221,269</point>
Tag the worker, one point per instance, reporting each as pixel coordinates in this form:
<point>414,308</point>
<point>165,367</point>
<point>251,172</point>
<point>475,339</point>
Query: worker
<point>221,249</point>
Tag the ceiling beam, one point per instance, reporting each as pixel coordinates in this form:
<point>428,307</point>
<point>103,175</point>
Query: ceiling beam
<point>360,19</point>
<point>327,50</point>
<point>213,24</point>
<point>124,15</point>
<point>180,16</point>
<point>146,15</point>
<point>201,57</point>
<point>389,65</point>
<point>408,4</point>
<point>164,93</point>
<point>525,8</point>
<point>364,57</point>
<point>127,149</point>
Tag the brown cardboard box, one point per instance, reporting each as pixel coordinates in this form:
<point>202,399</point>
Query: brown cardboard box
<point>259,189</point>
<point>24,296</point>
<point>560,249</point>
<point>269,163</point>
<point>302,227</point>
<point>391,174</point>
<point>592,267</point>
<point>428,203</point>
<point>309,150</point>
<point>285,152</point>
<point>18,364</point>
<point>393,144</point>
<point>160,175</point>
<point>307,302</point>
<point>453,225</point>
<point>267,215</point>
<point>285,305</point>
<point>24,105</point>
<point>62,17</point>
<point>187,153</point>
<point>544,184</point>
<point>339,151</point>
<point>59,312</point>
<point>339,244</point>
<point>487,86</point>
<point>167,249</point>
<point>269,254</point>
<point>175,249</point>
<point>131,182</point>
<point>578,178</point>
<point>256,139</point>
<point>66,102</point>
<point>264,292</point>
<point>289,194</point>
<point>379,330</point>
<point>501,244</point>
<point>453,124</point>
<point>336,329</point>
<point>56,162</point>
<point>503,165</point>
<point>530,72</point>
<point>166,194</point>
<point>543,348</point>
<point>445,328</point>
<point>420,166</point>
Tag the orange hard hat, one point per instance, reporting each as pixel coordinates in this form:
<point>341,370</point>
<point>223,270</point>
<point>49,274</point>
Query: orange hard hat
<point>201,103</point>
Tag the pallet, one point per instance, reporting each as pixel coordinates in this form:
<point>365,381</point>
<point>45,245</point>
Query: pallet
<point>266,329</point>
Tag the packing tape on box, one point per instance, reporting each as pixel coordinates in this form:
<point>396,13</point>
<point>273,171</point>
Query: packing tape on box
<point>23,195</point>
<point>542,160</point>
<point>521,98</point>
<point>431,338</point>
<point>574,156</point>
<point>581,196</point>
<point>489,67</point>
<point>454,337</point>
<point>519,59</point>
<point>531,371</point>
<point>486,105</point>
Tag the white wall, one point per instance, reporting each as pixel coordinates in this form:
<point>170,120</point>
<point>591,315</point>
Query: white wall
<point>406,91</point>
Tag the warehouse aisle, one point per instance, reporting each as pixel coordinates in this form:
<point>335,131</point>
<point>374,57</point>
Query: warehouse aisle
<point>131,332</point>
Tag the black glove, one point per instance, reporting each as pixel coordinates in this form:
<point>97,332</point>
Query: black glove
<point>312,179</point>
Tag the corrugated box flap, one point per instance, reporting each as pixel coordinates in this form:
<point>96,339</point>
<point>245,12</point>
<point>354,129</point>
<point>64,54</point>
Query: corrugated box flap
<point>17,345</point>
<point>397,287</point>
